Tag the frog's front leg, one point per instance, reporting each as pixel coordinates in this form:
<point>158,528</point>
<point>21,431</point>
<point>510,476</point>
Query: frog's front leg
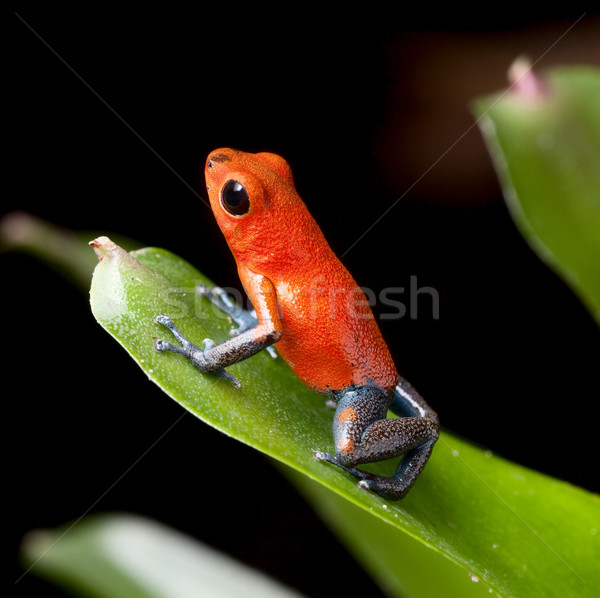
<point>214,358</point>
<point>245,319</point>
<point>195,354</point>
<point>363,434</point>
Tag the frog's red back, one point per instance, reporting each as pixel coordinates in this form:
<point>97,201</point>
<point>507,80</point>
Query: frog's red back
<point>330,337</point>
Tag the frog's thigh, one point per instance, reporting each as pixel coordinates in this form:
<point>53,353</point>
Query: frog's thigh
<point>362,434</point>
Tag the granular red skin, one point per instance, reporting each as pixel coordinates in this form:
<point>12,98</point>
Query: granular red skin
<point>329,335</point>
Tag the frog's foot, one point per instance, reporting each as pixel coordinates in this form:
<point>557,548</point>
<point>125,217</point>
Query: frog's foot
<point>396,486</point>
<point>194,354</point>
<point>243,318</point>
<point>357,473</point>
<point>392,488</point>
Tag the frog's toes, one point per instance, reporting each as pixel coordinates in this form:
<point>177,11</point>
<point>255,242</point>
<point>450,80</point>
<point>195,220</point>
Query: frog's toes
<point>208,343</point>
<point>223,373</point>
<point>321,456</point>
<point>161,345</point>
<point>366,485</point>
<point>164,320</point>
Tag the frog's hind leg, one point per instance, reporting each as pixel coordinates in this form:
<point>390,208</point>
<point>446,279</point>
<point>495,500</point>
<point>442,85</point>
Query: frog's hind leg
<point>220,298</point>
<point>363,434</point>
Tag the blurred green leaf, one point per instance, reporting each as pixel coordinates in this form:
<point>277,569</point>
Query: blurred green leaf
<point>401,565</point>
<point>64,250</point>
<point>126,556</point>
<point>518,532</point>
<point>543,134</point>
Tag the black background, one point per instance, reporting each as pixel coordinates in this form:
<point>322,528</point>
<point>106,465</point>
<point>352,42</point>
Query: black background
<point>364,108</point>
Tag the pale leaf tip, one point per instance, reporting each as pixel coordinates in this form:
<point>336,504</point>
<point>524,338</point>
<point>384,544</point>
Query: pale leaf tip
<point>524,81</point>
<point>102,246</point>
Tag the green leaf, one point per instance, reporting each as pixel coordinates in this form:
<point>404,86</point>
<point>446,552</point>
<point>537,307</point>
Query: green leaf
<point>520,533</point>
<point>126,556</point>
<point>544,138</point>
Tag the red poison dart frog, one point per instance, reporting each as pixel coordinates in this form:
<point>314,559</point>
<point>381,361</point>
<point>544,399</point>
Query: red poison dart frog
<point>308,304</point>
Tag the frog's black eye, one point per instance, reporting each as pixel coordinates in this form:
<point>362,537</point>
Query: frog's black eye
<point>234,198</point>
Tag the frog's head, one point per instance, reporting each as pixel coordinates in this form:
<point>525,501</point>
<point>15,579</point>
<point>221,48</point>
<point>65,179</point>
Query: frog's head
<point>254,201</point>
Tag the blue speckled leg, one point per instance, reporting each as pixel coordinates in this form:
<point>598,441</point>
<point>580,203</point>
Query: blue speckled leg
<point>213,359</point>
<point>363,434</point>
<point>243,318</point>
<point>190,351</point>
